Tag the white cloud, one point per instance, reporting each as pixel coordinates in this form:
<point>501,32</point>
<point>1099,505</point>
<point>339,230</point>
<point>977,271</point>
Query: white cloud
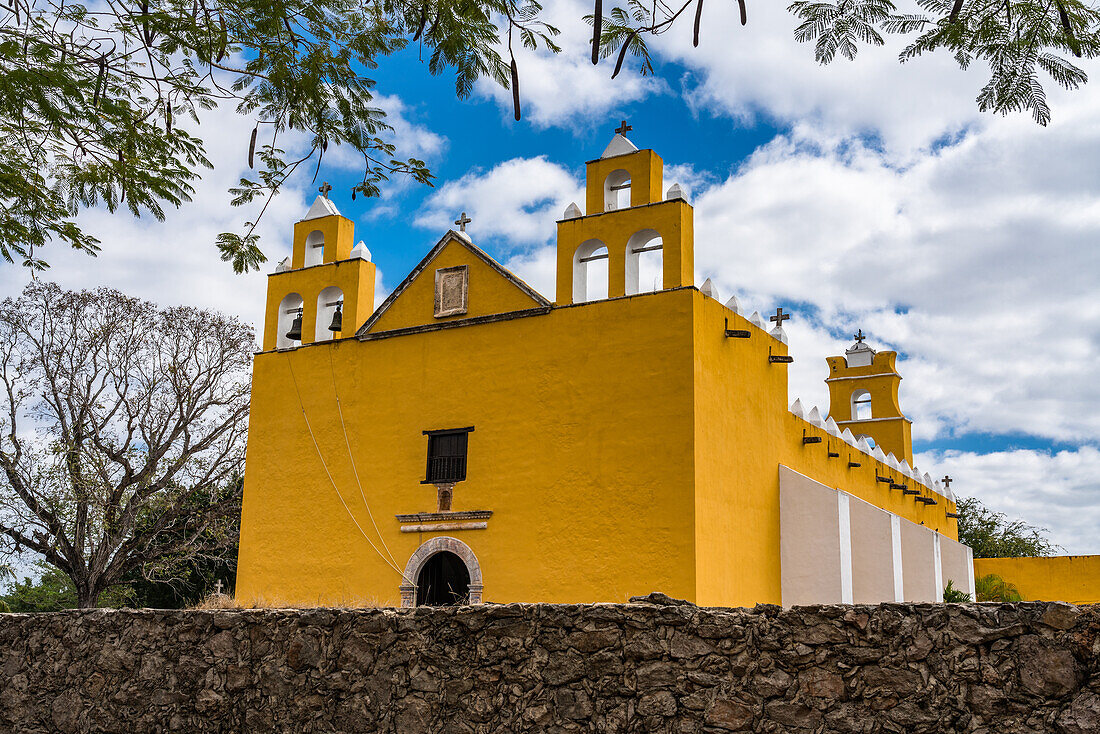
<point>518,200</point>
<point>565,89</point>
<point>1052,491</point>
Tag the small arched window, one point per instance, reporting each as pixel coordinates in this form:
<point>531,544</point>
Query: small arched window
<point>645,271</point>
<point>616,191</point>
<point>590,272</point>
<point>861,405</point>
<point>329,301</point>
<point>290,308</point>
<point>315,248</point>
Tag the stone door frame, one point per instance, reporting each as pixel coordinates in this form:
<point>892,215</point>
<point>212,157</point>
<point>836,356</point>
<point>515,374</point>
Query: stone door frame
<point>437,545</point>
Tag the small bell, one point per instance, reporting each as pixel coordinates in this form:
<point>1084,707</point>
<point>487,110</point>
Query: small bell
<point>295,333</point>
<point>337,319</point>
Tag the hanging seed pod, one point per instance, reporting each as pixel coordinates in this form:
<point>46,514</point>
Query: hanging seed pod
<point>168,116</point>
<point>423,22</point>
<point>515,88</point>
<point>324,145</point>
<point>252,147</point>
<point>353,194</point>
<point>698,20</point>
<point>597,31</point>
<point>744,12</point>
<point>99,81</point>
<point>622,54</point>
<point>955,10</point>
<point>1070,38</point>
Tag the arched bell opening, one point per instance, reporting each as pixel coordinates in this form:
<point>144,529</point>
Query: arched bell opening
<point>616,190</point>
<point>861,405</point>
<point>315,248</point>
<point>290,322</point>
<point>590,272</point>
<point>330,314</point>
<point>645,270</point>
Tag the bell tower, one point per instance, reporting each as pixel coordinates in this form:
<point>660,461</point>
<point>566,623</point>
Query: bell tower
<point>325,289</point>
<point>863,396</point>
<point>627,215</point>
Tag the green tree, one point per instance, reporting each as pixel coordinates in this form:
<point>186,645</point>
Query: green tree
<point>993,588</point>
<point>992,535</point>
<point>52,592</point>
<point>99,102</point>
<point>122,432</point>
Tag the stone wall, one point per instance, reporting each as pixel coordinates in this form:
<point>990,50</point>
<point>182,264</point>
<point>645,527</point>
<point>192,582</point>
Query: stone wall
<point>1031,667</point>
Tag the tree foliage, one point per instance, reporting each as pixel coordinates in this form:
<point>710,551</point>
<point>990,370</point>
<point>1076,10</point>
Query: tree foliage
<point>122,433</point>
<point>951,595</point>
<point>99,101</point>
<point>993,588</point>
<point>992,535</point>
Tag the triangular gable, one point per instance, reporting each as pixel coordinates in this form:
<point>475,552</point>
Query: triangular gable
<point>491,290</point>
<point>322,207</point>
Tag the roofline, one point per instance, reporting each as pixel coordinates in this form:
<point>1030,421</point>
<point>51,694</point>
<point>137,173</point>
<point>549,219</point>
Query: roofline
<point>450,236</point>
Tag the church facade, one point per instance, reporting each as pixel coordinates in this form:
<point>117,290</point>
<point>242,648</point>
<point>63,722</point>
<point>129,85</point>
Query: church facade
<point>470,440</point>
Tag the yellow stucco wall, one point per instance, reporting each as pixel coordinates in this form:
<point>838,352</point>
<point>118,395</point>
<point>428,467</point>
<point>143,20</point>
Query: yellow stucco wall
<point>1075,579</point>
<point>581,448</point>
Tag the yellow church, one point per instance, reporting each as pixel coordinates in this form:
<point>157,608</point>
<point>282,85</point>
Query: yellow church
<point>472,441</point>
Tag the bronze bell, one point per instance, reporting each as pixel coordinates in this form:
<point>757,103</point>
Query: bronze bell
<point>337,319</point>
<point>295,333</point>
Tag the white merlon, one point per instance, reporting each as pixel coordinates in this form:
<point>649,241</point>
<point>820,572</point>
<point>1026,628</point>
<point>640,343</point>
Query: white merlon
<point>814,417</point>
<point>892,461</point>
<point>464,235</point>
<point>848,437</point>
<point>360,251</point>
<point>322,207</point>
<point>758,321</point>
<point>796,408</point>
<point>572,211</point>
<point>863,445</point>
<point>877,453</point>
<point>284,265</point>
<point>832,428</point>
<point>778,333</point>
<point>708,288</point>
<point>903,467</point>
<point>733,305</point>
<point>618,146</point>
<point>675,192</point>
<point>928,483</point>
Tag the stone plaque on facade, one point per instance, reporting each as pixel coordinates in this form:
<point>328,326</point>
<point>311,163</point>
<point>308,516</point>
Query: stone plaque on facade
<point>451,291</point>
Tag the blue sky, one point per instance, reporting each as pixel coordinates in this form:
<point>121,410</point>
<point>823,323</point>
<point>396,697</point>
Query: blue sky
<point>862,195</point>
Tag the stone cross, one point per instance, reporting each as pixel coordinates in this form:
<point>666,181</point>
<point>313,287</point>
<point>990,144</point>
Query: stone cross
<point>463,221</point>
<point>623,128</point>
<point>780,317</point>
<point>859,337</point>
<point>947,481</point>
<point>324,189</point>
<point>218,587</point>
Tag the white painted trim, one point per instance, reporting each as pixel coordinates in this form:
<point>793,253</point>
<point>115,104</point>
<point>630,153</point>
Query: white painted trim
<point>895,542</point>
<point>876,420</point>
<point>863,377</point>
<point>937,563</point>
<point>970,572</point>
<point>845,521</point>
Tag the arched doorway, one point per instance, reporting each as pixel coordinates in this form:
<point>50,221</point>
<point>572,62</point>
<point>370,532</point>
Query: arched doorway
<point>443,581</point>
<point>443,571</point>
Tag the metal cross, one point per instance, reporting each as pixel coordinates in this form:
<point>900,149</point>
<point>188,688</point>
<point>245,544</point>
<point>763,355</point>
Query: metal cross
<point>218,587</point>
<point>947,481</point>
<point>859,337</point>
<point>780,317</point>
<point>623,128</point>
<point>324,189</point>
<point>463,221</point>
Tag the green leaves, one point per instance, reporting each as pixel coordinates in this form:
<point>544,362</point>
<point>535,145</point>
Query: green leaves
<point>992,535</point>
<point>842,25</point>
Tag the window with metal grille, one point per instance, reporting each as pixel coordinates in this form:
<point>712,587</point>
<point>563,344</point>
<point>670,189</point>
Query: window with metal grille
<point>447,455</point>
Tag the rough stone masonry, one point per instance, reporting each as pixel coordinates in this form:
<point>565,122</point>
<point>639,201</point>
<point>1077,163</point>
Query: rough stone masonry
<point>654,665</point>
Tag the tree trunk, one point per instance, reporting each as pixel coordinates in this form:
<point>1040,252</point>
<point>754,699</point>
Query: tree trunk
<point>87,595</point>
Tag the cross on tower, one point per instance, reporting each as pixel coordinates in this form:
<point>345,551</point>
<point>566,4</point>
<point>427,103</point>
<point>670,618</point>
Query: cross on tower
<point>623,128</point>
<point>780,317</point>
<point>463,221</point>
<point>947,481</point>
<point>324,189</point>
<point>859,337</point>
